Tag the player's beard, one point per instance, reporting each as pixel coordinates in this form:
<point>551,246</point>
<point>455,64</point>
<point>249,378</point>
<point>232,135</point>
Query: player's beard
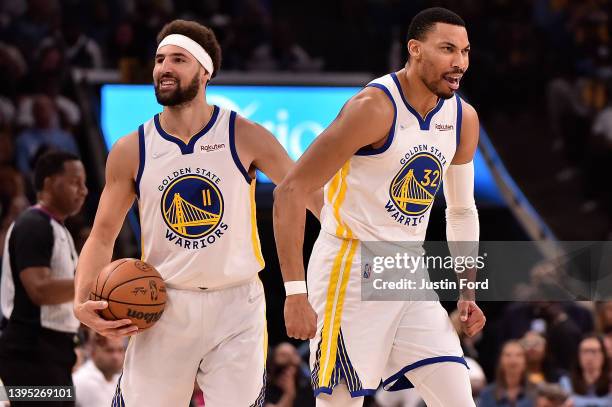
<point>435,86</point>
<point>179,96</point>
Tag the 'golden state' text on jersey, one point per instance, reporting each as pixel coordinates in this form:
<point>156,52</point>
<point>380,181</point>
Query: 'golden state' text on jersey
<point>197,206</point>
<point>386,194</point>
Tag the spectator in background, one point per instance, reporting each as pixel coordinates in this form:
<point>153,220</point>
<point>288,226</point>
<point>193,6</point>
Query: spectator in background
<point>44,133</point>
<point>49,76</point>
<point>283,53</point>
<point>37,283</point>
<point>81,51</point>
<point>13,67</point>
<point>540,367</point>
<point>511,388</point>
<point>603,317</point>
<point>285,385</point>
<point>562,324</point>
<point>589,382</point>
<point>124,51</point>
<point>12,199</point>
<point>602,152</point>
<point>95,381</point>
<point>552,395</point>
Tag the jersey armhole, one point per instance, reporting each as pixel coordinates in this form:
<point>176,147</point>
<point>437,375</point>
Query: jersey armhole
<point>459,118</point>
<point>232,143</point>
<point>141,160</point>
<point>369,150</point>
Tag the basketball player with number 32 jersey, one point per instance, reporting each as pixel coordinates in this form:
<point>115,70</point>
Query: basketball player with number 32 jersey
<point>381,163</point>
<point>192,169</point>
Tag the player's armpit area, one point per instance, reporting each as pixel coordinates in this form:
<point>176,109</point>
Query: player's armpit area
<point>470,132</point>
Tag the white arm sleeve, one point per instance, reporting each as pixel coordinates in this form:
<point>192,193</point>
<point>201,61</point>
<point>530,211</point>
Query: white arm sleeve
<point>461,214</point>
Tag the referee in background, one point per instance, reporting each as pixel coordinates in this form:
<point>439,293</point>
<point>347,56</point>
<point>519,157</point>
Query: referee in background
<point>37,283</point>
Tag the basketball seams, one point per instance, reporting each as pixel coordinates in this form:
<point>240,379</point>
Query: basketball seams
<point>145,314</point>
<point>109,274</point>
<point>128,281</point>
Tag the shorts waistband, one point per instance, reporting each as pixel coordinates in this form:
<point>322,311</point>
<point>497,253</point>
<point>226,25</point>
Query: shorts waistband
<point>218,288</point>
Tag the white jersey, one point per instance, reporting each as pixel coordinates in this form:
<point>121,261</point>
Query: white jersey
<point>386,194</point>
<point>197,206</point>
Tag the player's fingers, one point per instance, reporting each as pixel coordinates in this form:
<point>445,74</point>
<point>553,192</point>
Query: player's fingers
<point>95,305</point>
<point>130,330</point>
<point>474,329</point>
<point>108,325</point>
<point>463,312</point>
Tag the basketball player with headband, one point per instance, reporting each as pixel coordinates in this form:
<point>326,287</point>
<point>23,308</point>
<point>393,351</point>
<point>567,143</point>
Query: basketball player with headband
<point>192,168</point>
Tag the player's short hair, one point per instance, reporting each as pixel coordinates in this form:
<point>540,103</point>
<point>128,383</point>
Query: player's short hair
<point>50,164</point>
<point>425,20</point>
<point>197,32</point>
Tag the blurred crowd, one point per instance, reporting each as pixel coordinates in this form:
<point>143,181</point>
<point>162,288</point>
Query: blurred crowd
<point>579,98</point>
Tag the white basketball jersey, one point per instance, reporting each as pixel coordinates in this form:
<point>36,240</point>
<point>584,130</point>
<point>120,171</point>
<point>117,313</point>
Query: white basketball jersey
<point>386,194</point>
<point>197,206</point>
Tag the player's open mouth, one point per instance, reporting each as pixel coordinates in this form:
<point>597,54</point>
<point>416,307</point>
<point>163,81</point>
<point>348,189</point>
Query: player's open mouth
<point>453,81</point>
<point>167,83</point>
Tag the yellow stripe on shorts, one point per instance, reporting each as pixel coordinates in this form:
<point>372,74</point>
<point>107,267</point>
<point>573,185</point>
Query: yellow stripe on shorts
<point>333,309</point>
<point>337,190</point>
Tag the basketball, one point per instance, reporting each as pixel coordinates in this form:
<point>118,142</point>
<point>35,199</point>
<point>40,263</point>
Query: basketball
<point>133,289</point>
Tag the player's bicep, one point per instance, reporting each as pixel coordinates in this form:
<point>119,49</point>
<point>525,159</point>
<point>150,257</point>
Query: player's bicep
<point>363,121</point>
<point>265,151</point>
<point>468,139</point>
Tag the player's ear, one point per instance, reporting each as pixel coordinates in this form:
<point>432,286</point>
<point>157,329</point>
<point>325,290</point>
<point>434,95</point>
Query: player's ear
<point>414,48</point>
<point>204,76</point>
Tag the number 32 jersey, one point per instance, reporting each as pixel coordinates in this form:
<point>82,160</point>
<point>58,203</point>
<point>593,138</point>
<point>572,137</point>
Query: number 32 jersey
<point>386,194</point>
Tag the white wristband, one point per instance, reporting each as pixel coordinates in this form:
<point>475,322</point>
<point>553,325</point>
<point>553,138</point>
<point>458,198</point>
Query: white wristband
<point>295,287</point>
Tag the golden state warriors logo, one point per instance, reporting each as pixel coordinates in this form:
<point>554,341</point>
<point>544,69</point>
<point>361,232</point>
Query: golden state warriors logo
<point>414,187</point>
<point>192,206</point>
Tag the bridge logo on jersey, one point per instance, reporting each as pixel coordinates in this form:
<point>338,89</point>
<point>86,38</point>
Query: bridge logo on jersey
<point>414,187</point>
<point>192,206</point>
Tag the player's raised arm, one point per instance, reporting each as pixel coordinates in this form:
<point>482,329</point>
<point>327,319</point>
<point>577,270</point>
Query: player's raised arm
<point>364,120</point>
<point>462,226</point>
<point>117,198</point>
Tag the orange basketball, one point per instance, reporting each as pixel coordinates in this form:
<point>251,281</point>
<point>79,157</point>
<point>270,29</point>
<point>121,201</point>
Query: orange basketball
<point>133,289</point>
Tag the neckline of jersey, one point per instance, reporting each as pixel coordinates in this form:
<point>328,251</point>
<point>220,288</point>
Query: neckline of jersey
<point>187,148</point>
<point>423,122</point>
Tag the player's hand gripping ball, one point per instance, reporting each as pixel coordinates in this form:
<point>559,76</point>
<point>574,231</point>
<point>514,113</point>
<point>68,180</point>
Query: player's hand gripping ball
<point>133,289</point>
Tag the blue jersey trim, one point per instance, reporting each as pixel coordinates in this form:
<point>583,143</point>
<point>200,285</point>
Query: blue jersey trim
<point>459,118</point>
<point>232,143</point>
<point>356,393</point>
<point>368,150</point>
<point>117,400</point>
<point>401,382</point>
<point>142,156</point>
<point>423,123</point>
<point>187,148</point>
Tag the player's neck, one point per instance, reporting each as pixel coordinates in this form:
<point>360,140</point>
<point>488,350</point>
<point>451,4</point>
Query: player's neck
<point>186,120</point>
<point>415,92</point>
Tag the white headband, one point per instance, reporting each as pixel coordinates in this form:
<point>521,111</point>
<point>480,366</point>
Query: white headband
<point>190,46</point>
